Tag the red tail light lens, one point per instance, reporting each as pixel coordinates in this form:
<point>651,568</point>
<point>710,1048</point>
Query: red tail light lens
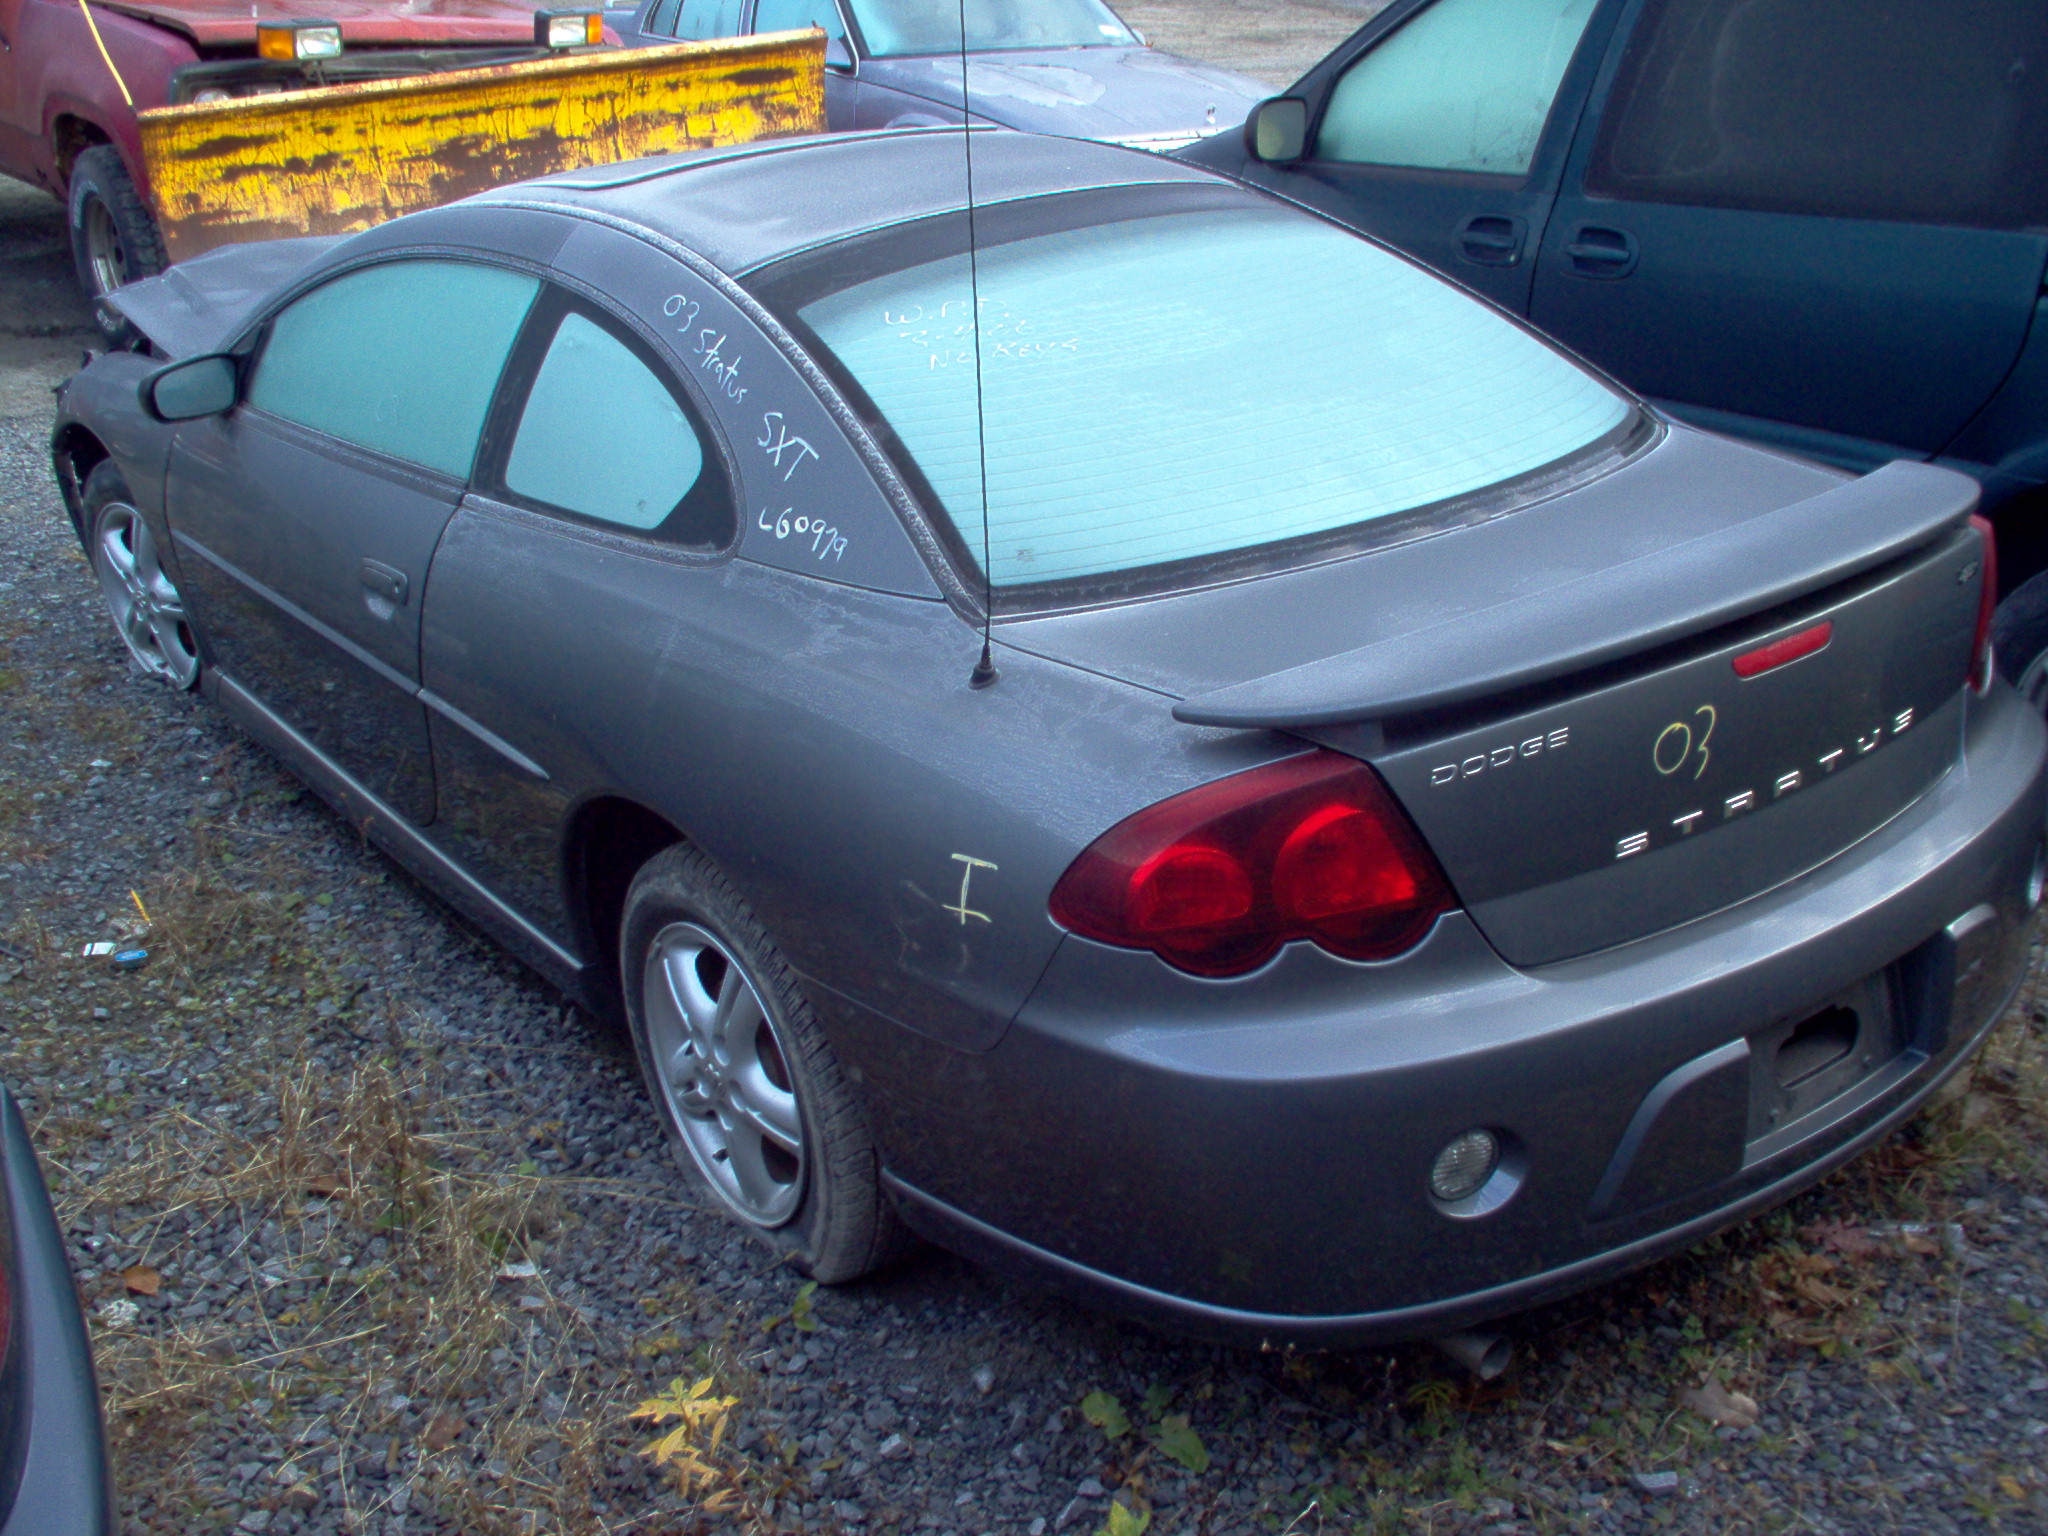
<point>1981,664</point>
<point>1215,880</point>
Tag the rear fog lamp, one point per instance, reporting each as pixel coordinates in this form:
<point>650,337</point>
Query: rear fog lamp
<point>286,41</point>
<point>1464,1166</point>
<point>1216,879</point>
<point>568,29</point>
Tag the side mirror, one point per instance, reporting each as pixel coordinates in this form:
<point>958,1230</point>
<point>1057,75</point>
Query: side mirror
<point>197,386</point>
<point>1277,130</point>
<point>838,56</point>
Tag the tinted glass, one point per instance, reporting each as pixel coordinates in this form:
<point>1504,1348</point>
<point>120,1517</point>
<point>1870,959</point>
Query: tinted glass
<point>661,21</point>
<point>933,26</point>
<point>1922,110</point>
<point>1167,388</point>
<point>401,358</point>
<point>705,19</point>
<point>795,15</point>
<point>601,435</point>
<point>1465,86</point>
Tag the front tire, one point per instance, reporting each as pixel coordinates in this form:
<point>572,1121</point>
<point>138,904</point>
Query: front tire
<point>752,1097</point>
<point>114,241</point>
<point>141,598</point>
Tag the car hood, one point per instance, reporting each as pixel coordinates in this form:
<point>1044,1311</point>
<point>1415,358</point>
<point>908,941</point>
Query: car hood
<point>223,23</point>
<point>1689,535</point>
<point>203,304</point>
<point>1121,94</point>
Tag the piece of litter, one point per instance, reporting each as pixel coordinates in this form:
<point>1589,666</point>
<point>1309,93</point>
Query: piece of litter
<point>519,1272</point>
<point>119,1313</point>
<point>94,951</point>
<point>130,959</point>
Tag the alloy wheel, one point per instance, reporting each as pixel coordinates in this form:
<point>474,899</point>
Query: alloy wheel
<point>723,1073</point>
<point>146,608</point>
<point>2032,684</point>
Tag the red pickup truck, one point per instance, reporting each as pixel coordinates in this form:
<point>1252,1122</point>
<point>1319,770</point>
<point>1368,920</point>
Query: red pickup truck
<point>73,78</point>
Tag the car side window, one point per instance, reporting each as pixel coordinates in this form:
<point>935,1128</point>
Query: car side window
<point>1916,110</point>
<point>795,15</point>
<point>401,358</point>
<point>1465,85</point>
<point>706,19</point>
<point>602,435</point>
<point>661,21</point>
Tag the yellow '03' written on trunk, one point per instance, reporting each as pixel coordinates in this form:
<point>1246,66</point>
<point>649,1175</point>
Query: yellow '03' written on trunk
<point>342,158</point>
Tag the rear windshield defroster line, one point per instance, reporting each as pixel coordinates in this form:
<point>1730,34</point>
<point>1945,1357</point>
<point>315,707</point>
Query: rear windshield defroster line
<point>1184,386</point>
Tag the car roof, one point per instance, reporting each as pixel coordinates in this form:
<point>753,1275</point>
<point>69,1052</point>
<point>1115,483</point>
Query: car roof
<point>744,207</point>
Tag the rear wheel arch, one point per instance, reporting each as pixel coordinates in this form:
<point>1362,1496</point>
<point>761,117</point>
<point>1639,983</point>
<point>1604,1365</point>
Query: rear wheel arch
<point>609,840</point>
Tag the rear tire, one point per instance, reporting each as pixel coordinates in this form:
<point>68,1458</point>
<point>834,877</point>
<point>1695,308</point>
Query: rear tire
<point>2019,637</point>
<point>755,1103</point>
<point>114,240</point>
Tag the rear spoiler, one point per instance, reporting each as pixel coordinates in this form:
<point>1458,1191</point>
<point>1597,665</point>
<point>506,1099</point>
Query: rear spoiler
<point>1684,589</point>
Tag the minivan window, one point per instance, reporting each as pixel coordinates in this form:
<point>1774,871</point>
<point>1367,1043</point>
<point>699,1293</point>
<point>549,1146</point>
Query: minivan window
<point>401,357</point>
<point>1464,86</point>
<point>1930,111</point>
<point>1162,389</point>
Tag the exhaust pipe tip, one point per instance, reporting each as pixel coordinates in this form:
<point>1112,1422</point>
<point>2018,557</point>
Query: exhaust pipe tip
<point>1483,1352</point>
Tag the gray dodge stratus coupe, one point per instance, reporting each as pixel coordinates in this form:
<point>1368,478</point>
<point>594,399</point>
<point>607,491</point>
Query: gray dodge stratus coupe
<point>1437,834</point>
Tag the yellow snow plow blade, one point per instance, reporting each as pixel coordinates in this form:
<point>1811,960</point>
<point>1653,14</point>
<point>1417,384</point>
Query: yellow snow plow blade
<point>345,157</point>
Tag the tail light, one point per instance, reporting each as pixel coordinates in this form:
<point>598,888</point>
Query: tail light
<point>1981,663</point>
<point>1215,880</point>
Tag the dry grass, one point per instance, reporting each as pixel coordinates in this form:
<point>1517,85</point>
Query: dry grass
<point>351,1264</point>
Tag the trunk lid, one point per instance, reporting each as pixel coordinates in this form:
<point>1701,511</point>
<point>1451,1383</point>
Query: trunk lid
<point>1553,696</point>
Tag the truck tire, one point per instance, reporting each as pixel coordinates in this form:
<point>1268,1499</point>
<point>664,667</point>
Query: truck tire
<point>114,239</point>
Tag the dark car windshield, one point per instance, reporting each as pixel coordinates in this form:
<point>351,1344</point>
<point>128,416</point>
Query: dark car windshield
<point>1182,386</point>
<point>893,27</point>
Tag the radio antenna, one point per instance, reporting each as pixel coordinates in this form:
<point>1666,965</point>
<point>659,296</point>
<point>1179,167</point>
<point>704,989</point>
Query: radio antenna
<point>984,671</point>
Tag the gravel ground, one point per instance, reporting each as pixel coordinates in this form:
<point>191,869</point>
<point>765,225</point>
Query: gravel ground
<point>307,1155</point>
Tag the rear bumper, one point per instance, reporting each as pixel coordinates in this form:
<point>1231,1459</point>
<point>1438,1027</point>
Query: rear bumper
<point>64,1487</point>
<point>1248,1160</point>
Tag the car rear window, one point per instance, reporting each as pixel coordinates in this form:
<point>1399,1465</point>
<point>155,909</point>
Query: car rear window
<point>1162,389</point>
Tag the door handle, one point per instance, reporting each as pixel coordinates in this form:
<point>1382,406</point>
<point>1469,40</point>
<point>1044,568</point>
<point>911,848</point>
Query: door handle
<point>1492,239</point>
<point>1599,252</point>
<point>385,581</point>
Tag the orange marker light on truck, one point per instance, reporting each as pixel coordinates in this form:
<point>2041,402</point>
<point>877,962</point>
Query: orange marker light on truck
<point>289,41</point>
<point>568,29</point>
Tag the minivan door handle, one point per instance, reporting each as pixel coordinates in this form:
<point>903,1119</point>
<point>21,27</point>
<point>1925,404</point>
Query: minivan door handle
<point>1596,251</point>
<point>1492,239</point>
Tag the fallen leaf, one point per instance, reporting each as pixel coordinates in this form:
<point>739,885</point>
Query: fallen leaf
<point>1841,1237</point>
<point>1716,1404</point>
<point>446,1429</point>
<point>2011,1488</point>
<point>141,1280</point>
<point>1815,1264</point>
<point>327,1185</point>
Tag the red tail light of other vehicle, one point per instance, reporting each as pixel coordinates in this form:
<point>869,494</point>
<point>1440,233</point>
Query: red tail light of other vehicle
<point>1981,663</point>
<point>1215,880</point>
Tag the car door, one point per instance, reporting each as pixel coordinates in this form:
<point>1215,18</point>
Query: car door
<point>1817,222</point>
<point>794,16</point>
<point>558,513</point>
<point>1443,127</point>
<point>306,517</point>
